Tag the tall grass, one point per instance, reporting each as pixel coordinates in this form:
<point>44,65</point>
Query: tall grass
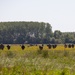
<point>35,62</point>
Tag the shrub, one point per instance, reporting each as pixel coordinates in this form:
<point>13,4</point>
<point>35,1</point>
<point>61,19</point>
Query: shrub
<point>65,72</point>
<point>39,51</point>
<point>10,54</point>
<point>45,53</point>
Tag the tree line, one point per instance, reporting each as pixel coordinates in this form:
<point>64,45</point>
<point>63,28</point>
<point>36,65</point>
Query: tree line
<point>32,32</point>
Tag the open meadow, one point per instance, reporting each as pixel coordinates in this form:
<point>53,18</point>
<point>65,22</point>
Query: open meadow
<point>33,61</point>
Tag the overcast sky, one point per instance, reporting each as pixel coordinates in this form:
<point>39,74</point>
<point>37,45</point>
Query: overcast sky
<point>59,13</point>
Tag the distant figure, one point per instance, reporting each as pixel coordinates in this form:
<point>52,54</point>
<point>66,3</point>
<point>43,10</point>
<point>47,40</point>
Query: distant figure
<point>42,44</point>
<point>72,45</point>
<point>69,45</point>
<point>65,46</point>
<point>1,46</point>
<point>49,46</point>
<point>23,47</point>
<point>54,46</point>
<point>8,47</point>
<point>41,47</point>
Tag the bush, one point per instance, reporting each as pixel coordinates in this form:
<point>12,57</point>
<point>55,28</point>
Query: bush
<point>39,51</point>
<point>10,54</point>
<point>65,72</point>
<point>45,53</point>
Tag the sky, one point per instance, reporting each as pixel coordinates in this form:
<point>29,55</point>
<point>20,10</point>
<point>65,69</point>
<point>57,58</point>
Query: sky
<point>59,13</point>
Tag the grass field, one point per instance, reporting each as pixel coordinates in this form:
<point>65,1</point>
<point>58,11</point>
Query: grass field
<point>32,61</point>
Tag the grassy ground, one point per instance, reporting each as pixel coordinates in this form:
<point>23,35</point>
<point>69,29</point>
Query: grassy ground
<point>32,61</point>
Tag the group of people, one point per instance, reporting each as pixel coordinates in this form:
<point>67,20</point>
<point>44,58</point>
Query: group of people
<point>2,46</point>
<point>40,46</point>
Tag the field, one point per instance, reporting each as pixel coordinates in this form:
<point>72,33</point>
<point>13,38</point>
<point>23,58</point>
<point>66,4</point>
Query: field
<point>32,61</point>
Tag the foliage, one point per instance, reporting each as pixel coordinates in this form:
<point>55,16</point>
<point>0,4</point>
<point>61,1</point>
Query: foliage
<point>32,32</point>
<point>32,61</point>
<point>45,53</point>
<point>24,32</point>
<point>10,54</point>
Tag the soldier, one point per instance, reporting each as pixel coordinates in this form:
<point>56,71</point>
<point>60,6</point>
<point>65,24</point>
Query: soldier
<point>49,46</point>
<point>41,47</point>
<point>72,45</point>
<point>23,47</point>
<point>65,46</point>
<point>2,46</point>
<point>8,47</point>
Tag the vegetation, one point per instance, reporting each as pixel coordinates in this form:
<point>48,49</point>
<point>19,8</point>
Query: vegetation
<point>28,59</point>
<point>32,32</point>
<point>32,61</point>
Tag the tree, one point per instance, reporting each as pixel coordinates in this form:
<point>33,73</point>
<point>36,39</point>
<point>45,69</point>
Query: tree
<point>57,34</point>
<point>48,32</point>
